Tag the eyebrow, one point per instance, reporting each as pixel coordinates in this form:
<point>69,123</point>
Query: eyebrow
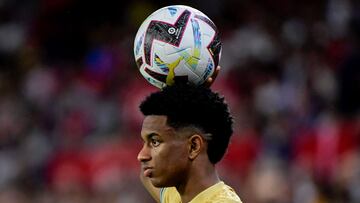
<point>150,135</point>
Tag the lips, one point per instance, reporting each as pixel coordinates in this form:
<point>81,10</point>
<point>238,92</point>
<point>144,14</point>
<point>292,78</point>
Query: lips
<point>147,171</point>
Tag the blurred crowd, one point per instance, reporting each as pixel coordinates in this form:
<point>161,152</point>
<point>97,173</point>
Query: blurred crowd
<point>70,89</point>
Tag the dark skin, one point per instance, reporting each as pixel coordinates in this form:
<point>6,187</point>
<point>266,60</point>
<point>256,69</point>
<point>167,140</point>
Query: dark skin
<point>175,159</point>
<point>171,158</point>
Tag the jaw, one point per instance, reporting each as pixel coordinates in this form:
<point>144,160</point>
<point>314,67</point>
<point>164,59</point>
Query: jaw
<point>163,181</point>
<point>156,182</point>
<point>169,180</point>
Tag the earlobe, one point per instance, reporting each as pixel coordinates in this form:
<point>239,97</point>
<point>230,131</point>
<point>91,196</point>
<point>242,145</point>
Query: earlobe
<point>196,143</point>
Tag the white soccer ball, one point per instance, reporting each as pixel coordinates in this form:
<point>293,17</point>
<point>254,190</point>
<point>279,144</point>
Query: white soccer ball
<point>177,44</point>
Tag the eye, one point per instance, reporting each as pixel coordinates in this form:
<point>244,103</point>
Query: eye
<point>154,142</point>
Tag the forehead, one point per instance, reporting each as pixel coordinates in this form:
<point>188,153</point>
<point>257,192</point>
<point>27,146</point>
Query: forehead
<point>154,124</point>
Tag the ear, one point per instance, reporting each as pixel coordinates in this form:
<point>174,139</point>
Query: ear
<point>196,144</point>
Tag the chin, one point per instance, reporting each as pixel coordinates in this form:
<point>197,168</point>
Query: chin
<point>156,182</point>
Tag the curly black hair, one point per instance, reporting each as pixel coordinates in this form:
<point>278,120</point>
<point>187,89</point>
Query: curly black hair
<point>186,105</point>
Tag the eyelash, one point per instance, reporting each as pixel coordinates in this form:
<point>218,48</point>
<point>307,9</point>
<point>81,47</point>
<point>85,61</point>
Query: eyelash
<point>154,142</point>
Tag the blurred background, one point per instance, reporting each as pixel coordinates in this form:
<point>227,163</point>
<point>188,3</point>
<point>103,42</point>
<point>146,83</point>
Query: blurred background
<point>70,89</point>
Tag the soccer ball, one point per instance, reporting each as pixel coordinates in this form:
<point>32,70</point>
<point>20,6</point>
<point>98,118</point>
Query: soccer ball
<point>177,44</point>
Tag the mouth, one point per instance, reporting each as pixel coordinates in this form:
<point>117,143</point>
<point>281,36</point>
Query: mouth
<point>147,171</point>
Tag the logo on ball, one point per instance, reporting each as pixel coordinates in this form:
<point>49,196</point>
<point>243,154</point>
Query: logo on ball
<point>171,30</point>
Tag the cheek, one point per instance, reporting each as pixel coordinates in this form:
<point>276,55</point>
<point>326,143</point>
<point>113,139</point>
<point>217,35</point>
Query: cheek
<point>172,159</point>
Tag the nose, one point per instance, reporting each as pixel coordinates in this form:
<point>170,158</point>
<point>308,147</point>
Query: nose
<point>144,154</point>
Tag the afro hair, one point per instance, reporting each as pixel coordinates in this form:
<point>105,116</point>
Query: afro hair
<point>188,105</point>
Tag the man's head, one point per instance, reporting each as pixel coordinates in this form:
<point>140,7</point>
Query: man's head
<point>188,120</point>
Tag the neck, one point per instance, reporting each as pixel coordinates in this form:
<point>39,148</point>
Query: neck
<point>199,179</point>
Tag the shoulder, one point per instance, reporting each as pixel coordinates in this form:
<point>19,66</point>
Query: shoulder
<point>227,195</point>
<point>169,195</point>
<point>219,193</point>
